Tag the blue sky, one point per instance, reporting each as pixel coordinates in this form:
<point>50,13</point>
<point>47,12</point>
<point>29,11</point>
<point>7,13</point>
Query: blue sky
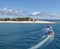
<point>31,6</point>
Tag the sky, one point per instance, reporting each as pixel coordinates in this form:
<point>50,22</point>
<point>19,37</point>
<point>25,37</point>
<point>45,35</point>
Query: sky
<point>43,9</point>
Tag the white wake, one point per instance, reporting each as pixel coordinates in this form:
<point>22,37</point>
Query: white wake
<point>49,37</point>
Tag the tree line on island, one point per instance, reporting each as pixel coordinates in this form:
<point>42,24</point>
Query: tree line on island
<point>17,19</point>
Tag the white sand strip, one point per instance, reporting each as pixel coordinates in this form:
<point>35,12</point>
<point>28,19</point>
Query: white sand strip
<point>26,22</point>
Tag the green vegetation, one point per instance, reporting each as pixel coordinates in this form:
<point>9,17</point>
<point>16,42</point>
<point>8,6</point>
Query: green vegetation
<point>16,19</point>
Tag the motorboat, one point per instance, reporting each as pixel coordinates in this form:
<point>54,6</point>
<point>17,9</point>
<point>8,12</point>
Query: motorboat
<point>50,33</point>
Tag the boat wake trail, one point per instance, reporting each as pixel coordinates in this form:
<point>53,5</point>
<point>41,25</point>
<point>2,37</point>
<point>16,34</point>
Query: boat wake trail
<point>49,38</point>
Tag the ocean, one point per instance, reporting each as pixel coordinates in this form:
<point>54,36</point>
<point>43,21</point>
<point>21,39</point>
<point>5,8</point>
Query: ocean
<point>27,36</point>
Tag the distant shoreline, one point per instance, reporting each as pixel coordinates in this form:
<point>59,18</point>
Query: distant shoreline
<point>27,22</point>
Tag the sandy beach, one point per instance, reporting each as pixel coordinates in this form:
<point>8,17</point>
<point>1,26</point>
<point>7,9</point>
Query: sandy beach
<point>26,22</point>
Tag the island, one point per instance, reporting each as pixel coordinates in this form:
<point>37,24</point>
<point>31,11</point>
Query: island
<point>22,20</point>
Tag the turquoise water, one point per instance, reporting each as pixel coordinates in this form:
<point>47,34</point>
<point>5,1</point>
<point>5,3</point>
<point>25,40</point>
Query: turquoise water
<point>25,36</point>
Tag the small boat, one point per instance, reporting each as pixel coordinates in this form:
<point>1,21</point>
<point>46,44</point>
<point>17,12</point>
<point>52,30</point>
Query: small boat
<point>50,33</point>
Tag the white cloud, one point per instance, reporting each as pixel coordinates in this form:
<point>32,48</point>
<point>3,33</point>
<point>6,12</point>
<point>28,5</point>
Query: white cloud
<point>44,15</point>
<point>5,8</point>
<point>18,12</point>
<point>10,10</point>
<point>35,13</point>
<point>5,11</point>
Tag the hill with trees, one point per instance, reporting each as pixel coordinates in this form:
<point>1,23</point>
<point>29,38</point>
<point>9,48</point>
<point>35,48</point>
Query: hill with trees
<point>16,19</point>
